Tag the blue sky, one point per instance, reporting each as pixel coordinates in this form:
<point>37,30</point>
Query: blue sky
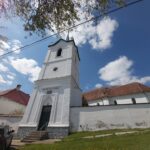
<point>115,52</point>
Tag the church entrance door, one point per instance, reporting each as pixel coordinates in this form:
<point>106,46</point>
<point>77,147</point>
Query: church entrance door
<point>45,116</point>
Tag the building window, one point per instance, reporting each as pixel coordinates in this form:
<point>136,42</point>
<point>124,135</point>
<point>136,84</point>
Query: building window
<point>115,102</point>
<point>59,52</point>
<point>55,69</point>
<point>133,101</point>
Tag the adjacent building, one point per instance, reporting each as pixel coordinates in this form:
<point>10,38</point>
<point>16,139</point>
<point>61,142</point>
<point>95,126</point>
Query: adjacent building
<point>133,93</point>
<point>13,101</point>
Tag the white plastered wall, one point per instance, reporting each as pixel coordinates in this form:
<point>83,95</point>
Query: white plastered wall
<point>10,107</point>
<point>109,117</point>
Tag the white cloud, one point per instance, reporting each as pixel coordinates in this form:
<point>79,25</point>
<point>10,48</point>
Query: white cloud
<point>99,37</point>
<point>2,81</point>
<point>15,46</point>
<point>145,79</point>
<point>27,67</point>
<point>6,77</point>
<point>105,30</point>
<point>119,72</point>
<point>24,66</point>
<point>98,85</point>
<point>11,77</point>
<point>4,46</point>
<point>119,68</point>
<point>3,68</point>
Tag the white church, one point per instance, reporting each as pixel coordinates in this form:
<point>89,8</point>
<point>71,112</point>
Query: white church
<point>56,90</point>
<point>55,105</point>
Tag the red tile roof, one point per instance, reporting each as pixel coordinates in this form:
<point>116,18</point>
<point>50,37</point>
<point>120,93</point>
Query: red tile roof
<point>16,95</point>
<point>113,91</point>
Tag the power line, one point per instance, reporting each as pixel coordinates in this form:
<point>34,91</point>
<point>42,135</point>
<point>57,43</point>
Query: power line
<point>93,18</point>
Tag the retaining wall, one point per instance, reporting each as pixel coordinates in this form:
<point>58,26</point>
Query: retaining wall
<point>109,117</point>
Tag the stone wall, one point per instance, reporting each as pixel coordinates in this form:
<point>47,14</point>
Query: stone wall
<point>109,117</point>
<point>11,120</point>
<point>57,132</point>
<point>24,131</point>
<point>53,132</point>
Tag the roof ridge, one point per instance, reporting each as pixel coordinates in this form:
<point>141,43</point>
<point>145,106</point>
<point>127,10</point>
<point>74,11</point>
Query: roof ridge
<point>17,96</point>
<point>112,91</point>
<point>22,97</point>
<point>6,91</point>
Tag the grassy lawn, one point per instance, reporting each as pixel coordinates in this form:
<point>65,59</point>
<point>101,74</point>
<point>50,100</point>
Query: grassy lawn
<point>135,141</point>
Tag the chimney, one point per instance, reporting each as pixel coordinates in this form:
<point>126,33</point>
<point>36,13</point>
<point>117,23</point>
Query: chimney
<point>18,87</point>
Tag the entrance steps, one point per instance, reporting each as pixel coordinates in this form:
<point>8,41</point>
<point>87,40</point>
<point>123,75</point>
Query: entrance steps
<point>36,136</point>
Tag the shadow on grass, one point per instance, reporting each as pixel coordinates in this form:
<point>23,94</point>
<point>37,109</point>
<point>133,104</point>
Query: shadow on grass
<point>12,148</point>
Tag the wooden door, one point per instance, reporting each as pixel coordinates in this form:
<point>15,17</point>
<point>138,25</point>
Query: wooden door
<point>44,118</point>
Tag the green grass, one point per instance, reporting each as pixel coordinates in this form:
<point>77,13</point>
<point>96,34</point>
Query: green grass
<point>136,141</point>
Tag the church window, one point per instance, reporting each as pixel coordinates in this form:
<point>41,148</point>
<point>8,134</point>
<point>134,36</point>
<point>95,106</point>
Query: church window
<point>55,69</point>
<point>133,101</point>
<point>49,92</point>
<point>115,102</point>
<point>59,52</point>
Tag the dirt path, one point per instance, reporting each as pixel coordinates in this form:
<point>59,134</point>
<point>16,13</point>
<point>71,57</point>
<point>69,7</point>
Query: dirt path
<point>16,144</point>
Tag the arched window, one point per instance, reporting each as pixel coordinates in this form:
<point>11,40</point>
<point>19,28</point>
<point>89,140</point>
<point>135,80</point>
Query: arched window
<point>59,52</point>
<point>115,102</point>
<point>133,101</point>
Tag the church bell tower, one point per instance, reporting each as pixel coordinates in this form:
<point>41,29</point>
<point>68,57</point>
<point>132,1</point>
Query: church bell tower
<point>56,90</point>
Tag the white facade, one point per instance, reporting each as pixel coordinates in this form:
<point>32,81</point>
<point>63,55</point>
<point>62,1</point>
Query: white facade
<point>9,107</point>
<point>57,86</point>
<point>125,99</point>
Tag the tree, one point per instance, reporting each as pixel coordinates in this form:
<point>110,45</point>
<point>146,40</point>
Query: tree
<point>42,15</point>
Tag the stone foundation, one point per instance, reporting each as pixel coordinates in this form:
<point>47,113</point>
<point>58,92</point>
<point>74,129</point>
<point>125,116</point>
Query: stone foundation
<point>57,132</point>
<point>53,132</point>
<point>24,131</point>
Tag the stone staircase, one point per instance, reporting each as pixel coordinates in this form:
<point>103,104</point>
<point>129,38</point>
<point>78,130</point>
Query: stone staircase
<point>36,136</point>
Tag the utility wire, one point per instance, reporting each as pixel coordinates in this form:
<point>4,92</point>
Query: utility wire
<point>89,20</point>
